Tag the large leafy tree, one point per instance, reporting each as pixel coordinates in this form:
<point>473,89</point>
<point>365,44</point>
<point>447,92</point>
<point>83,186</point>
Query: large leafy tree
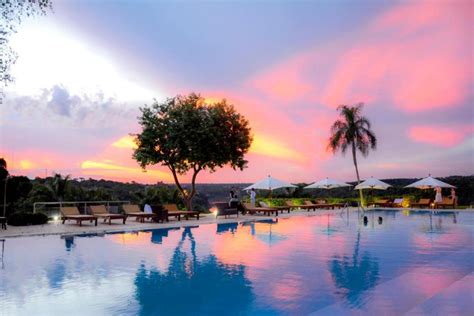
<point>352,131</point>
<point>186,134</point>
<point>12,14</point>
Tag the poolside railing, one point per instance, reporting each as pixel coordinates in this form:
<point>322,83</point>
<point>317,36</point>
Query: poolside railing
<point>51,209</point>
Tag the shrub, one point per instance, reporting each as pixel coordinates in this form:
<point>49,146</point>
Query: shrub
<point>24,219</point>
<point>38,219</point>
<point>18,219</point>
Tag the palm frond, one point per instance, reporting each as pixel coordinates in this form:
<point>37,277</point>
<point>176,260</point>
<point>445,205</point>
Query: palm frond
<point>352,128</point>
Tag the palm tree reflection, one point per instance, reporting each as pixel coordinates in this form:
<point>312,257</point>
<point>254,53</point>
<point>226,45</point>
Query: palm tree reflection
<point>192,286</point>
<point>354,276</point>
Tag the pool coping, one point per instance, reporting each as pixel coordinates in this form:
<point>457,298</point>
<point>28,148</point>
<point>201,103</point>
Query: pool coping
<point>25,231</point>
<point>89,230</point>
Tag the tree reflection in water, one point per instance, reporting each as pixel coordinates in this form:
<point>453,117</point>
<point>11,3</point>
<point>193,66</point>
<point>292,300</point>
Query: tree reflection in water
<point>191,286</point>
<point>354,276</point>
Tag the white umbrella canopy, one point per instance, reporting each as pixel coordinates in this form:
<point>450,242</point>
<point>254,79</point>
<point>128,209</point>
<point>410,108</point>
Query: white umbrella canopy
<point>429,183</point>
<point>372,183</point>
<point>270,183</point>
<point>327,184</point>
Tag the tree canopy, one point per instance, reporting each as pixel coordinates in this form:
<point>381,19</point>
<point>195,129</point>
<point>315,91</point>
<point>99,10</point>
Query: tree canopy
<point>12,14</point>
<point>352,130</point>
<point>185,133</point>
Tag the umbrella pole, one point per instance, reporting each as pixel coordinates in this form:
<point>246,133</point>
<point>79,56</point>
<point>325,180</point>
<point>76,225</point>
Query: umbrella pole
<point>372,196</point>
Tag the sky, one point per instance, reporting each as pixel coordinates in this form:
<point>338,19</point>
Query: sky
<point>86,68</point>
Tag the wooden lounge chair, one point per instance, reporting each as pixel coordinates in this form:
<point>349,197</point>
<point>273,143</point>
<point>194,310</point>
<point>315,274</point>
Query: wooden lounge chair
<point>279,208</point>
<point>422,203</point>
<point>446,203</point>
<point>310,205</point>
<point>397,202</point>
<point>383,203</point>
<point>72,213</point>
<point>254,209</point>
<point>320,204</point>
<point>174,211</point>
<point>101,212</point>
<point>133,210</point>
<point>295,207</point>
<point>338,205</point>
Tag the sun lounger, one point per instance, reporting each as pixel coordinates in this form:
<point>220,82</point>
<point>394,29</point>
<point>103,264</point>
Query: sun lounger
<point>384,203</point>
<point>446,203</point>
<point>174,211</point>
<point>133,210</point>
<point>265,210</point>
<point>422,203</point>
<point>397,202</point>
<point>279,208</point>
<point>295,207</point>
<point>320,204</point>
<point>72,213</point>
<point>100,211</point>
<point>311,206</point>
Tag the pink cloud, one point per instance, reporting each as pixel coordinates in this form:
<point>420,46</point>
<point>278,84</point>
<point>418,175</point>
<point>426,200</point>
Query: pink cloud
<point>410,17</point>
<point>285,82</point>
<point>416,57</point>
<point>440,136</point>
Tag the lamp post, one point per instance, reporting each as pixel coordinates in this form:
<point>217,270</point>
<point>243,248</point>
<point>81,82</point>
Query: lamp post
<point>5,198</point>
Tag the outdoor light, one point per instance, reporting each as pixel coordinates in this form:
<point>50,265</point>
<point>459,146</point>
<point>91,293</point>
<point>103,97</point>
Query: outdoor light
<point>55,218</point>
<point>406,203</point>
<point>214,210</point>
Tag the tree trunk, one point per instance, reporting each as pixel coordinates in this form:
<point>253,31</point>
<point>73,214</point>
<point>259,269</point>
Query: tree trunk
<point>188,202</point>
<point>354,157</point>
<point>187,197</point>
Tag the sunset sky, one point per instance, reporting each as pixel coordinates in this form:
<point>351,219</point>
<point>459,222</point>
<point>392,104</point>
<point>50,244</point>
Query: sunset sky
<point>85,69</point>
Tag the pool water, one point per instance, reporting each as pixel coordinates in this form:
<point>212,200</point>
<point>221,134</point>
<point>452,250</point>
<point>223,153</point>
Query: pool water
<point>329,264</point>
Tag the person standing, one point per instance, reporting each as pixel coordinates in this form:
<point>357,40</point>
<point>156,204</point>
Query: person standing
<point>147,208</point>
<point>253,197</point>
<point>453,196</point>
<point>438,196</point>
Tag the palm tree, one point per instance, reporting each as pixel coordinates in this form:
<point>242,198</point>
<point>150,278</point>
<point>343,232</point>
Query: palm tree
<point>352,130</point>
<point>58,186</point>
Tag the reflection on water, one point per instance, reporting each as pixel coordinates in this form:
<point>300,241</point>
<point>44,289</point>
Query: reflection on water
<point>205,286</point>
<point>354,275</point>
<point>228,227</point>
<point>328,264</point>
<point>158,234</point>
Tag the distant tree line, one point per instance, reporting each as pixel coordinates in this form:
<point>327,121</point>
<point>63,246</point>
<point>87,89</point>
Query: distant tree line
<point>23,192</point>
<point>464,191</point>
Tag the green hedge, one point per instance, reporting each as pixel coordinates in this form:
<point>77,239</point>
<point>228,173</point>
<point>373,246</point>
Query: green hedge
<point>25,219</point>
<point>352,201</point>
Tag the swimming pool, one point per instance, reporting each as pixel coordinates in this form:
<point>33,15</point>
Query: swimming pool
<point>407,262</point>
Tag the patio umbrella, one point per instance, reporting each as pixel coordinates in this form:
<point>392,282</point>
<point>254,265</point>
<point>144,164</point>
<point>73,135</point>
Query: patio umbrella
<point>327,184</point>
<point>429,183</point>
<point>372,183</point>
<point>270,183</point>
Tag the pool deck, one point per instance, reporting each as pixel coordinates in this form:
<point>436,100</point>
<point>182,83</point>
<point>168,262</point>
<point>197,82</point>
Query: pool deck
<point>71,228</point>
